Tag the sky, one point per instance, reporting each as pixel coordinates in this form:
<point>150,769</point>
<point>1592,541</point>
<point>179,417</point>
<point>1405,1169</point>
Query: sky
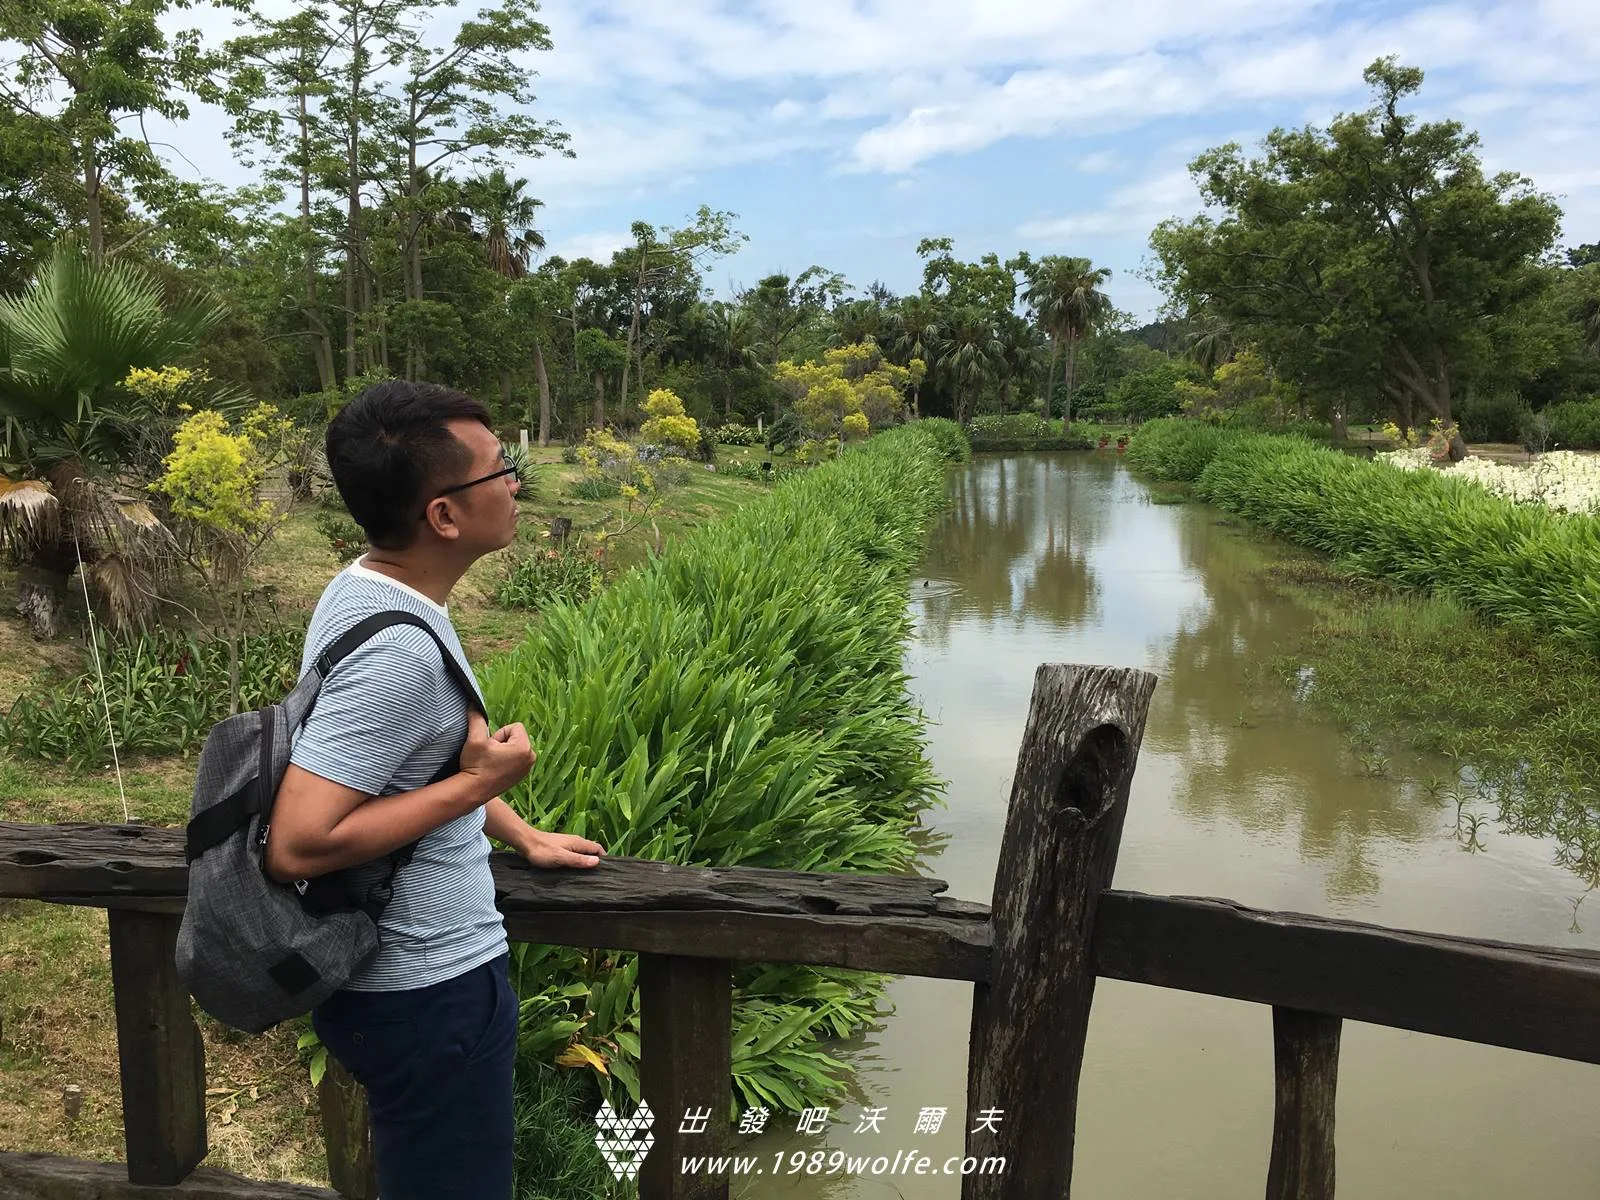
<point>843,131</point>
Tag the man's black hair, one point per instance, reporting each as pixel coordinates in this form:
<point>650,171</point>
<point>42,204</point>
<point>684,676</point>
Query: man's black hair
<point>389,450</point>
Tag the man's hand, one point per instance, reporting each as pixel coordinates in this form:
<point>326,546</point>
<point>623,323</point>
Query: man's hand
<point>499,762</point>
<point>559,849</point>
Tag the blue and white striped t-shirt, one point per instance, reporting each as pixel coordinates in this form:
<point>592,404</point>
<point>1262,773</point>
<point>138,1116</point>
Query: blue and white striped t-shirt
<point>387,718</point>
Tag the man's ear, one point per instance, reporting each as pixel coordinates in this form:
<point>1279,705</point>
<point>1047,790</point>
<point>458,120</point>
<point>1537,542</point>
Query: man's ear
<point>441,519</point>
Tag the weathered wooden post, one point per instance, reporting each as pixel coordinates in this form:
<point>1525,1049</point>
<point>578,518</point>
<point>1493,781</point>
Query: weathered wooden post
<point>1306,1066</point>
<point>347,1134</point>
<point>162,1056</point>
<point>685,1067</point>
<point>1057,855</point>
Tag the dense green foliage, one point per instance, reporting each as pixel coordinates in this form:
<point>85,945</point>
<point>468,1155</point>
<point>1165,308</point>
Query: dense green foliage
<point>1574,425</point>
<point>165,691</point>
<point>1427,270</point>
<point>568,575</point>
<point>742,701</point>
<point>1534,570</point>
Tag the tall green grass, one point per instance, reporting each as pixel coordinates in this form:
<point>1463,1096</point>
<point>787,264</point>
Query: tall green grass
<point>1527,567</point>
<point>741,701</point>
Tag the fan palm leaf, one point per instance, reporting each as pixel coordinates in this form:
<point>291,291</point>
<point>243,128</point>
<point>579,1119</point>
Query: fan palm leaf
<point>79,328</point>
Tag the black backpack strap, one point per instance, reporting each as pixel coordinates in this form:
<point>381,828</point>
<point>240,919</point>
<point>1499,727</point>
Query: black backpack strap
<point>215,825</point>
<point>379,894</point>
<point>377,622</point>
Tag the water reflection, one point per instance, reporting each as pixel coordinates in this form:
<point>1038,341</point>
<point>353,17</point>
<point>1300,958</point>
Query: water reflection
<point>1012,548</point>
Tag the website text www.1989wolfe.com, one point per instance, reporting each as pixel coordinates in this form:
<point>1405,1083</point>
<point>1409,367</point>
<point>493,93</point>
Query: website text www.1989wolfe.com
<point>837,1162</point>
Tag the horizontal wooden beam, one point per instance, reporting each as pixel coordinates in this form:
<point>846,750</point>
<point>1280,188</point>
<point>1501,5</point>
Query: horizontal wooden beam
<point>928,946</point>
<point>1532,998</point>
<point>52,1177</point>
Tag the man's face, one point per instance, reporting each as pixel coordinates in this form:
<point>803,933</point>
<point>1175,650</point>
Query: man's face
<point>485,513</point>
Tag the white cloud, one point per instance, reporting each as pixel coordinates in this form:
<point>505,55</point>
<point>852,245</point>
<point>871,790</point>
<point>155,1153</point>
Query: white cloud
<point>1131,210</point>
<point>599,246</point>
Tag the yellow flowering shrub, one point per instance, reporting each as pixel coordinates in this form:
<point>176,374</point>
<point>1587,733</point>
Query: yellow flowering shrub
<point>164,388</point>
<point>213,475</point>
<point>669,425</point>
<point>853,390</point>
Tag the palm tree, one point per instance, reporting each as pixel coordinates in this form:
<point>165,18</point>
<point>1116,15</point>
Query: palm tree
<point>1064,293</point>
<point>734,336</point>
<point>507,214</point>
<point>919,328</point>
<point>66,344</point>
<point>857,321</point>
<point>1018,357</point>
<point>970,354</point>
<point>1208,342</point>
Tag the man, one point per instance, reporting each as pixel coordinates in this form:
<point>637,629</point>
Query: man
<point>429,1025</point>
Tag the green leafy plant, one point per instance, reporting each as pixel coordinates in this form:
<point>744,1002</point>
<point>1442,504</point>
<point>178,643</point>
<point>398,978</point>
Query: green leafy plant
<point>566,575</point>
<point>346,539</point>
<point>165,690</point>
<point>740,701</point>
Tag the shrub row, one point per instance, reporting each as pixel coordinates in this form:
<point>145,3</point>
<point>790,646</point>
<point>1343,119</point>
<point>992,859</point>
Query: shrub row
<point>1523,565</point>
<point>741,701</point>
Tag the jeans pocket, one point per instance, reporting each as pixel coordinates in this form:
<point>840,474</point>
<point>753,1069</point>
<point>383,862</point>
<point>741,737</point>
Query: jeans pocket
<point>501,1025</point>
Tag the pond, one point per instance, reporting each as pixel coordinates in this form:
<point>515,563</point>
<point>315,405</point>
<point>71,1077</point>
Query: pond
<point>1241,792</point>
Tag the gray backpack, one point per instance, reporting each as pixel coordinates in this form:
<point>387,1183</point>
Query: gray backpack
<point>253,951</point>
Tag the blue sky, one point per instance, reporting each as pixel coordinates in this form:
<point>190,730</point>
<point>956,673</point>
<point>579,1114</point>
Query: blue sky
<point>842,131</point>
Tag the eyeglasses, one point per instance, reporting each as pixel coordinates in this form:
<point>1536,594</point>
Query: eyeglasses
<point>509,469</point>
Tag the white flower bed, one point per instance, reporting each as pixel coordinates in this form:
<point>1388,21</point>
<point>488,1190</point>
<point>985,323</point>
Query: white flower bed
<point>1561,479</point>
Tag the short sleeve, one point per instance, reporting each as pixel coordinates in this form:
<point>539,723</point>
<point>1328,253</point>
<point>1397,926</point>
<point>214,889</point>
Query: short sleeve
<point>379,707</point>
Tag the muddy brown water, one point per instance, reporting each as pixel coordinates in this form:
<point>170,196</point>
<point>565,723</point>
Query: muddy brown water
<point>1240,792</point>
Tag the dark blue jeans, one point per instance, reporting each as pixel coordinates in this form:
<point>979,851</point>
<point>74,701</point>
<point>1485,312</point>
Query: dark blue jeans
<point>436,1063</point>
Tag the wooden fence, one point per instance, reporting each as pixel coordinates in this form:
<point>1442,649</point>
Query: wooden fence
<point>1032,957</point>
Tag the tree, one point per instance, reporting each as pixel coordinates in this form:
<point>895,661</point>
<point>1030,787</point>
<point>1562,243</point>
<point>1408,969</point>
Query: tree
<point>1376,254</point>
<point>834,397</point>
<point>450,107</point>
<point>278,74</point>
<point>535,301</point>
<point>67,344</point>
<point>212,482</point>
<point>671,251</point>
<point>1064,294</point>
<point>507,214</point>
<point>90,66</point>
<point>970,355</point>
<point>733,335</point>
<point>919,331</point>
<point>600,356</point>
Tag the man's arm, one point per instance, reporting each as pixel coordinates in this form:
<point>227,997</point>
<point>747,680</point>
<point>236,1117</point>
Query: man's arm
<point>319,826</point>
<point>501,822</point>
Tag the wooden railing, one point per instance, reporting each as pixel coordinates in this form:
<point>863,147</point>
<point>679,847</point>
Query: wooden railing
<point>1033,959</point>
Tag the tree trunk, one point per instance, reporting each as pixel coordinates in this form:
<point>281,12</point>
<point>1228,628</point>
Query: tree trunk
<point>42,590</point>
<point>1072,378</point>
<point>599,399</point>
<point>321,347</point>
<point>91,196</point>
<point>633,329</point>
<point>352,226</point>
<point>544,393</point>
<point>1050,375</point>
<point>505,393</point>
